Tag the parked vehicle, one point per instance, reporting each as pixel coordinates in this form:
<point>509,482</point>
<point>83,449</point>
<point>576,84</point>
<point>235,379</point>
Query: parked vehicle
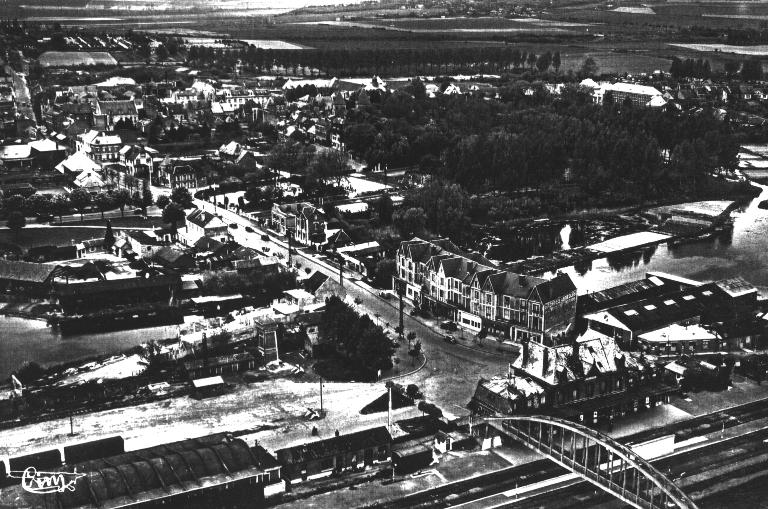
<point>233,226</point>
<point>449,326</point>
<point>249,229</point>
<point>449,339</point>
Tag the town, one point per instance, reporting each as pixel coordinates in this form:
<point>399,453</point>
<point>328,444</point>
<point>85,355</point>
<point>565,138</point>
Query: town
<point>243,274</point>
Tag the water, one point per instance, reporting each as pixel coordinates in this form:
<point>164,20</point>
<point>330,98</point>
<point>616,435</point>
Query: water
<point>23,340</point>
<point>743,253</point>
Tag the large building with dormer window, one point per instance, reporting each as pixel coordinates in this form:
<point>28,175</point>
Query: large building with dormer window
<point>479,296</point>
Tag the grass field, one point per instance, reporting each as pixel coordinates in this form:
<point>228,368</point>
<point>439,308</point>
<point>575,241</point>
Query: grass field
<point>52,236</point>
<point>73,58</point>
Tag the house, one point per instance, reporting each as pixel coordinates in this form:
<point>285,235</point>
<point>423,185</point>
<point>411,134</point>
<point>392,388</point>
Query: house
<point>638,95</point>
<point>306,222</point>
<point>172,258</point>
<point>77,163</point>
<point>141,243</point>
<point>361,258</point>
<point>91,181</point>
<point>138,160</point>
<point>479,297</point>
<point>181,175</point>
<point>100,147</point>
<point>354,451</point>
<point>322,286</point>
<point>203,224</point>
<point>109,113</point>
<point>589,380</point>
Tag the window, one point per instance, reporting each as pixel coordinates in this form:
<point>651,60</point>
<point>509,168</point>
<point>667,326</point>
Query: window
<point>650,307</point>
<point>688,297</point>
<point>669,302</point>
<point>630,312</point>
<point>707,293</point>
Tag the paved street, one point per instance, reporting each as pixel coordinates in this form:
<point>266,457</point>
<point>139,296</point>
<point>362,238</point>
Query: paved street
<point>452,370</point>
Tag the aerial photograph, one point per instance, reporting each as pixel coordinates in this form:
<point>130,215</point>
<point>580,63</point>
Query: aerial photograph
<point>383,254</point>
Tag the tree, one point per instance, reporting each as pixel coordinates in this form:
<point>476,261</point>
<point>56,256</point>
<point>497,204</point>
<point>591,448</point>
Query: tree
<point>39,204</point>
<point>328,165</point>
<point>290,156</point>
<point>385,269</point>
<point>182,196</point>
<point>588,67</point>
<point>109,237</point>
<point>752,69</point>
<point>173,213</point>
<point>162,201</point>
<point>384,208</point>
<point>162,52</point>
<point>410,222</point>
<point>80,200</point>
<point>731,67</point>
<point>15,202</point>
<point>103,202</point>
<point>16,221</point>
<point>145,200</point>
<point>121,198</point>
<point>544,61</point>
<point>556,61</point>
<point>60,205</point>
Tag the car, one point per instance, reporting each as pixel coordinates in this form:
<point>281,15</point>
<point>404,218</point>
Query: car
<point>249,229</point>
<point>449,339</point>
<point>414,312</point>
<point>233,226</point>
<point>265,238</point>
<point>385,295</point>
<point>449,326</point>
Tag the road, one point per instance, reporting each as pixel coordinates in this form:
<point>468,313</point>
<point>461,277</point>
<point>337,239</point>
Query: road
<point>452,369</point>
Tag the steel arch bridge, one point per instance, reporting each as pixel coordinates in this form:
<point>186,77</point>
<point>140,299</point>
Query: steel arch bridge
<point>599,459</point>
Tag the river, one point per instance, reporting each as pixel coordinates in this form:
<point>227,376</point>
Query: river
<point>23,340</point>
<point>744,253</point>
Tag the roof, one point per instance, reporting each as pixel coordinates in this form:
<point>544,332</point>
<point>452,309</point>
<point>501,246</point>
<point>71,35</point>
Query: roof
<point>299,294</point>
<point>632,88</point>
<point>367,438</point>
<point>25,271</point>
<point>205,219</point>
<point>313,283</point>
<point>117,108</point>
<point>222,360</point>
<point>676,332</point>
<point>144,238</point>
<point>172,255</point>
<point>113,285</point>
<point>207,382</point>
<point>88,178</point>
<point>627,292</point>
<point>736,287</point>
<point>658,311</point>
<point>154,473</point>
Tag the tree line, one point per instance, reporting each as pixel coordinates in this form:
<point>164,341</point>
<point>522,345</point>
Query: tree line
<point>351,61</point>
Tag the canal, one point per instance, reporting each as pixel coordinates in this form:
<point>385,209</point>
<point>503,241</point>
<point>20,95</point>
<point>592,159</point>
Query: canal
<point>743,253</point>
<point>23,340</point>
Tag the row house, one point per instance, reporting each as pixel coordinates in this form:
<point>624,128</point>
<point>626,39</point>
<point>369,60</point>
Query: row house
<point>478,296</point>
<point>306,221</point>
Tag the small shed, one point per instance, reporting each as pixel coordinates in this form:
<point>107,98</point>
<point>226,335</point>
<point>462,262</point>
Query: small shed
<point>211,386</point>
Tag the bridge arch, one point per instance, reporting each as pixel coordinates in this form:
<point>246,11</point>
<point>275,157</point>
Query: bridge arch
<point>599,459</point>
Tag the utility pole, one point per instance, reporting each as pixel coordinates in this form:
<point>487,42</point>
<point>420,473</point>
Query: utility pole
<point>290,245</point>
<point>71,425</point>
<point>341,270</point>
<point>400,299</point>
<point>321,395</point>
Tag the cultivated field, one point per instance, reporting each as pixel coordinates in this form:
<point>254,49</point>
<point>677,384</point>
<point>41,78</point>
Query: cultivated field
<point>759,50</point>
<point>74,58</point>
